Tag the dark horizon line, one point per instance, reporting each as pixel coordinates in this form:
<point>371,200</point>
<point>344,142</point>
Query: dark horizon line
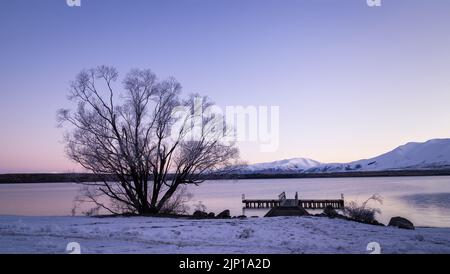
<point>24,178</point>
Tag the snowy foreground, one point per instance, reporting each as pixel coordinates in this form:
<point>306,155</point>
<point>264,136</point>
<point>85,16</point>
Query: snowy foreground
<point>253,235</point>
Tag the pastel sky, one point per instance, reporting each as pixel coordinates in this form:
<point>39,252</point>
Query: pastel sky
<point>351,81</point>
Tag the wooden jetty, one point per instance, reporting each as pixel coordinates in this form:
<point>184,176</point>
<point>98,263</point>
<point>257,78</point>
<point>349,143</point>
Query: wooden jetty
<point>282,201</point>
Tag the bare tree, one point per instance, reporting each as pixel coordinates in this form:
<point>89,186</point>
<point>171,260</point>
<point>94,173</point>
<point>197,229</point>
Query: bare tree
<point>134,136</point>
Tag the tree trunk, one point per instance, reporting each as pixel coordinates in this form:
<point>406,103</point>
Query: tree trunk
<point>167,196</point>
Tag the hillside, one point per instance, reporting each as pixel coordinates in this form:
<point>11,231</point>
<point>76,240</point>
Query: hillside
<point>433,154</point>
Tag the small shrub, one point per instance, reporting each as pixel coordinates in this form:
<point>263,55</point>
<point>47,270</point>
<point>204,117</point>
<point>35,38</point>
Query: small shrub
<point>92,211</point>
<point>362,212</point>
<point>200,207</point>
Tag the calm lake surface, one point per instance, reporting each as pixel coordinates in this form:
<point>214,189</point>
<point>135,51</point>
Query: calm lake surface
<point>423,200</point>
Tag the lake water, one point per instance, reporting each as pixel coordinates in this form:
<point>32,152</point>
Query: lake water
<point>423,200</point>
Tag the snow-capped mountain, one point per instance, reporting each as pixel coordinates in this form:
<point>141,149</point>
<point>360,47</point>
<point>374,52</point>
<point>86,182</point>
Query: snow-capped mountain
<point>282,166</point>
<point>433,154</point>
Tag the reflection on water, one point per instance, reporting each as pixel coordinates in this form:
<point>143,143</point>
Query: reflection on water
<point>429,200</point>
<point>431,208</point>
<point>423,200</point>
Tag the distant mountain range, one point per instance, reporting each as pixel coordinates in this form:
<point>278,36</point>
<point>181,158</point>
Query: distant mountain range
<point>433,154</point>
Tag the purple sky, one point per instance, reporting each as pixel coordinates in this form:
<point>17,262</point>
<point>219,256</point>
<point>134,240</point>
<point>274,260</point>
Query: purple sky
<point>351,81</point>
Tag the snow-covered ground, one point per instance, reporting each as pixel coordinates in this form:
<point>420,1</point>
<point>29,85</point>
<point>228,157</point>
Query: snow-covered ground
<point>253,235</point>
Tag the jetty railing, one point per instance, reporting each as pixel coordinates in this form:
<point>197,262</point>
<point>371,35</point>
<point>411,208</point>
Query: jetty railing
<point>307,204</point>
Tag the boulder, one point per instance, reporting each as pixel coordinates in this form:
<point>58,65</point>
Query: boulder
<point>211,215</point>
<point>401,222</point>
<point>241,217</point>
<point>224,214</point>
<point>287,211</point>
<point>200,214</point>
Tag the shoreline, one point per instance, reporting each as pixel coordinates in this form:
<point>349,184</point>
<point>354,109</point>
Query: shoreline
<point>31,178</point>
<point>191,218</point>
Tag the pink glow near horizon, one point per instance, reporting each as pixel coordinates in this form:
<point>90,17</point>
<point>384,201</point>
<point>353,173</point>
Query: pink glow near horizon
<point>351,81</point>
